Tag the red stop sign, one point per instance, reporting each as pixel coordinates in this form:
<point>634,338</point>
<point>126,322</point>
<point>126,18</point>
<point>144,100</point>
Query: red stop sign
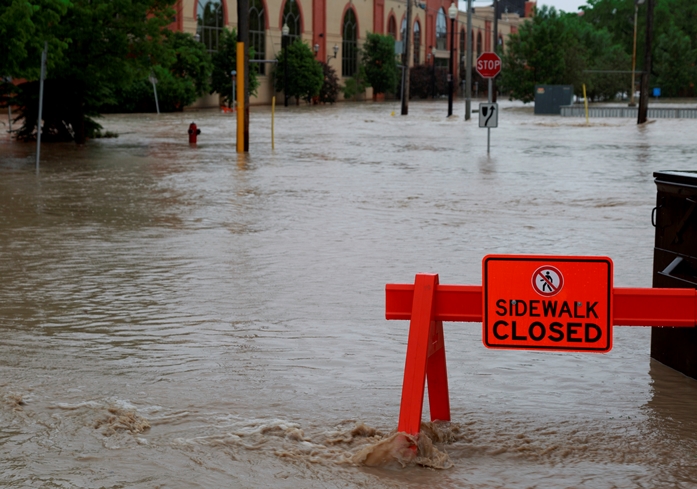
<point>488,65</point>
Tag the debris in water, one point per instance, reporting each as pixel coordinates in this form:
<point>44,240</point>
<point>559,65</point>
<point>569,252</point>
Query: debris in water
<point>120,420</point>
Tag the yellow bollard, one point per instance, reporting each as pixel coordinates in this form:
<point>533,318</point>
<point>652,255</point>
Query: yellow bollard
<point>273,112</point>
<point>585,101</point>
<point>240,97</point>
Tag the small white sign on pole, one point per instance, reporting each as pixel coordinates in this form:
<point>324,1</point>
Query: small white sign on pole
<point>488,115</point>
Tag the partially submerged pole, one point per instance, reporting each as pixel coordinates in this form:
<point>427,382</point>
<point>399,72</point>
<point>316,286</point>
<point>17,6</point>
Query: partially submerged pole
<point>243,75</point>
<point>240,98</point>
<point>405,72</point>
<point>41,105</point>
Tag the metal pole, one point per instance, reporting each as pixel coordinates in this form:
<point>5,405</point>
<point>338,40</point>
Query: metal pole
<point>240,98</point>
<point>644,97</point>
<point>468,77</point>
<point>632,103</point>
<point>273,114</point>
<point>488,129</point>
<point>496,41</point>
<point>243,70</point>
<point>153,80</point>
<point>284,40</point>
<point>41,105</point>
<point>452,62</point>
<point>407,61</point>
<point>402,94</point>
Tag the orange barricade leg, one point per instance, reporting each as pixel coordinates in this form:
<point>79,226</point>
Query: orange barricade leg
<point>437,374</point>
<point>425,354</point>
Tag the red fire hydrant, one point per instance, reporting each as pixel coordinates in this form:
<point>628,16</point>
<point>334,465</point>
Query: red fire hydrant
<point>193,132</point>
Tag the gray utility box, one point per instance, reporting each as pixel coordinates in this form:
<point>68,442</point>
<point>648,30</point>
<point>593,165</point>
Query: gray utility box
<point>550,98</point>
<point>675,263</point>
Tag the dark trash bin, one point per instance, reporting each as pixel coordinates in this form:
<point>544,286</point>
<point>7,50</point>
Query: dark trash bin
<point>675,263</point>
<point>549,99</point>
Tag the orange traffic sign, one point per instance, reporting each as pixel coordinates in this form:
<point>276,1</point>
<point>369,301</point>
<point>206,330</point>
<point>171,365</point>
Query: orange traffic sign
<point>551,303</point>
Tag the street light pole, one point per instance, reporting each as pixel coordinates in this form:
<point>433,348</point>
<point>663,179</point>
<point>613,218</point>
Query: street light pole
<point>468,78</point>
<point>636,16</point>
<point>452,13</point>
<point>496,46</point>
<point>407,61</point>
<point>284,40</point>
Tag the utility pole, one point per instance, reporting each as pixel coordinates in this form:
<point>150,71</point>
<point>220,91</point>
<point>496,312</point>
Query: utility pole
<point>636,18</point>
<point>468,75</point>
<point>644,96</point>
<point>243,37</point>
<point>405,71</point>
<point>496,44</point>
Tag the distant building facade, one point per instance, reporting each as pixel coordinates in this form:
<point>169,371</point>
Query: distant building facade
<point>341,26</point>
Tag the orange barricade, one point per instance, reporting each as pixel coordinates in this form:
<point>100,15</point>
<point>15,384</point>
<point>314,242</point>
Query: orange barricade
<point>426,304</point>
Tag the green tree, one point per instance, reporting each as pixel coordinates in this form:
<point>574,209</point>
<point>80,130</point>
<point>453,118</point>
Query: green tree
<point>675,31</point>
<point>182,77</point>
<point>535,55</point>
<point>109,44</point>
<point>24,27</point>
<point>356,84</point>
<point>225,62</point>
<point>563,49</point>
<point>329,92</point>
<point>305,74</point>
<point>379,62</point>
<point>674,63</point>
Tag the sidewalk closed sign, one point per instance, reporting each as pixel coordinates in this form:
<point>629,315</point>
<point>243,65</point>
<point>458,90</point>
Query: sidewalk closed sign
<point>552,303</point>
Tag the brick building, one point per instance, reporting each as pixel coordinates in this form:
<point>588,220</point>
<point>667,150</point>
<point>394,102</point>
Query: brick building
<point>341,26</point>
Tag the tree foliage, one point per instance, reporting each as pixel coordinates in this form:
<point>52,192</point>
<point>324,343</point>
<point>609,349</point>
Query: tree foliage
<point>379,62</point>
<point>225,62</point>
<point>24,27</point>
<point>556,48</point>
<point>329,92</point>
<point>356,84</point>
<point>182,77</point>
<point>305,74</point>
<point>559,48</point>
<point>108,45</point>
<point>674,48</point>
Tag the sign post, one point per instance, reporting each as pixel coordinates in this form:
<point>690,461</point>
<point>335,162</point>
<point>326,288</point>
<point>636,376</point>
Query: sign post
<point>488,66</point>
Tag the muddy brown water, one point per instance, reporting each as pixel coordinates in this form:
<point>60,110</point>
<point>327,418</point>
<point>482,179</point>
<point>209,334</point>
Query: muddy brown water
<point>180,317</point>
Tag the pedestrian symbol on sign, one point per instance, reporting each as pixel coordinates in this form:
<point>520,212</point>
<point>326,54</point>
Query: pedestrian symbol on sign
<point>547,281</point>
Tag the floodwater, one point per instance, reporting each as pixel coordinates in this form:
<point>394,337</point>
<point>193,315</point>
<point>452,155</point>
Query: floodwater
<point>186,317</point>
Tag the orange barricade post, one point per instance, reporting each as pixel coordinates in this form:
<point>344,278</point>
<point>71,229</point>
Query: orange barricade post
<point>425,359</point>
<point>426,304</point>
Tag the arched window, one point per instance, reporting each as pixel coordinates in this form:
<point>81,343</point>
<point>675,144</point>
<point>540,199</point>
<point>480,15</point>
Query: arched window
<point>210,20</point>
<point>291,17</point>
<point>392,27</point>
<point>417,43</point>
<point>479,44</point>
<point>257,32</point>
<point>349,52</point>
<point>441,30</point>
